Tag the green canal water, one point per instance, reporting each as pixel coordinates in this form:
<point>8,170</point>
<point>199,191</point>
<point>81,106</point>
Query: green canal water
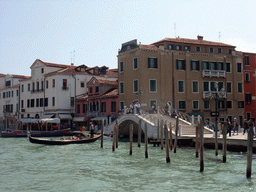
<point>87,167</point>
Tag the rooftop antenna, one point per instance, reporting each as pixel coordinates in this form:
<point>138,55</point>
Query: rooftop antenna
<point>74,56</point>
<point>175,30</point>
<point>219,36</point>
<point>71,57</point>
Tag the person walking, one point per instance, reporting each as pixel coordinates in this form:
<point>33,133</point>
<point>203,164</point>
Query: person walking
<point>91,129</point>
<point>229,127</point>
<point>246,126</point>
<point>235,128</point>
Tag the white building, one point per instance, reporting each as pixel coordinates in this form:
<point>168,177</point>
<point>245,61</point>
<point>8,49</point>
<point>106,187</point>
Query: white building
<point>9,98</point>
<point>52,89</point>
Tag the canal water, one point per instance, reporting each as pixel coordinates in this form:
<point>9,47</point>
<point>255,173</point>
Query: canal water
<point>87,167</point>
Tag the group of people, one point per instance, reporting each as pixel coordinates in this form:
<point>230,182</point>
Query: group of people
<point>234,127</point>
<point>134,106</point>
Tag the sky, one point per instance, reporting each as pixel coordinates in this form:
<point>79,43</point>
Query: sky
<point>90,32</point>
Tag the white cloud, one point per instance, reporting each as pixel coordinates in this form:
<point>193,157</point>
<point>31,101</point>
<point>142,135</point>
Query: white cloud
<point>242,45</point>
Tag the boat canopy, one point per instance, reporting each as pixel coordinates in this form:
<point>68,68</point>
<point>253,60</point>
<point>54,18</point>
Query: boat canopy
<point>50,120</point>
<point>28,120</point>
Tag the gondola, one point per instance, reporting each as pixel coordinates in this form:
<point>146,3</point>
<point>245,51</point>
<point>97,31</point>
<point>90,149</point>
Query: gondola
<point>64,141</point>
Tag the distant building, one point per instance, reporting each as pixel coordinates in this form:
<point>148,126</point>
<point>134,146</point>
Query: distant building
<point>249,85</point>
<point>100,102</point>
<point>182,71</point>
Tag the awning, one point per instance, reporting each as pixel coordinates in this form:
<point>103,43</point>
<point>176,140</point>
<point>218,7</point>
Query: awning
<point>78,119</point>
<point>196,114</point>
<point>99,118</point>
<point>50,120</point>
<point>65,116</point>
<point>29,120</point>
<point>47,116</point>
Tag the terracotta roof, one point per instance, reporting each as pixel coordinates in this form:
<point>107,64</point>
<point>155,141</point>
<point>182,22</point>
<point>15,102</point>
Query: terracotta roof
<point>192,41</point>
<point>10,87</point>
<point>2,75</point>
<point>152,47</point>
<point>113,92</point>
<point>20,76</point>
<point>54,64</point>
<point>107,81</point>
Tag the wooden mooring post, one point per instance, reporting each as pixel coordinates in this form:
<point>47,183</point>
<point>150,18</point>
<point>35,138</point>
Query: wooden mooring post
<point>224,132</point>
<point>101,132</point>
<point>162,133</point>
<point>131,138</point>
<point>197,138</point>
<point>167,144</point>
<point>146,141</point>
<point>139,133</point>
<point>171,145</point>
<point>114,137</point>
<point>201,146</point>
<point>117,133</point>
<point>249,153</point>
<point>176,134</point>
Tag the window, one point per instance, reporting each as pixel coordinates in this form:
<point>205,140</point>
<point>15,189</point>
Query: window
<point>28,103</point>
<point>47,84</point>
<point>170,47</point>
<point>42,70</point>
<point>12,93</point>
<point>195,66</point>
<point>247,77</point>
<point>195,105</point>
<point>230,51</point>
<point>228,67</point>
<point>53,101</point>
<point>32,102</point>
<point>152,85</point>
<point>46,102</point>
<point>97,89</point>
<point>113,106</point>
<point>229,104</point>
<point>42,85</point>
<point>206,105</point>
<point>3,94</point>
<point>90,90</point>
<point>186,48</point>
<point>182,105</point>
<point>152,63</point>
<point>211,50</point>
<point>135,63</point>
<point>239,67</point>
<point>178,47</point>
<point>29,87</point>
<point>103,107</point>
<point>37,85</point>
<point>220,85</point>
<point>78,108</point>
<point>248,98</point>
<point>198,49</point>
<point>195,86</point>
<point>206,86</point>
<point>121,105</point>
<point>221,104</point>
<point>121,87</point>
<point>121,67</point>
<point>240,104</point>
<point>246,60</point>
<point>82,84</point>
<point>240,87</point>
<point>219,50</point>
<point>72,101</point>
<point>205,65</point>
<point>17,93</point>
<point>64,84</point>
<point>84,108</point>
<point>229,87</point>
<point>33,86</point>
<point>22,88</point>
<point>8,83</point>
<point>181,64</point>
<point>53,83</point>
<point>37,102</point>
<point>135,86</point>
<point>41,102</point>
<point>22,104</point>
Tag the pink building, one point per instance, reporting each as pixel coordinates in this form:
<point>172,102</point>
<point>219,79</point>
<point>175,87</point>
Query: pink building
<point>100,102</point>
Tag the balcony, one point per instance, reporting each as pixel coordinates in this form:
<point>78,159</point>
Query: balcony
<point>36,90</point>
<point>65,88</point>
<point>214,73</point>
<point>207,95</point>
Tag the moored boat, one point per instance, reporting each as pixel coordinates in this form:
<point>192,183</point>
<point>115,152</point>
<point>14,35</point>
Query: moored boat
<point>64,141</point>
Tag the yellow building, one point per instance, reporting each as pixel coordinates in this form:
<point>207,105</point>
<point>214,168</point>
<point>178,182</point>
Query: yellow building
<point>184,72</point>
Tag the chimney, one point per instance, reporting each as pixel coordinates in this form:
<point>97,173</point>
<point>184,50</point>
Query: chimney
<point>200,37</point>
<point>72,64</point>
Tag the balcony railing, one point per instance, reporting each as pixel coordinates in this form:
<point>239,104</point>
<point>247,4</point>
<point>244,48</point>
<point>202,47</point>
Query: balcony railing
<point>36,90</point>
<point>214,73</point>
<point>65,88</point>
<point>209,94</point>
<point>92,113</point>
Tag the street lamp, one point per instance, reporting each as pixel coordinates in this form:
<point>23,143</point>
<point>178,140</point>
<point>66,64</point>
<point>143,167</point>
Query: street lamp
<point>217,95</point>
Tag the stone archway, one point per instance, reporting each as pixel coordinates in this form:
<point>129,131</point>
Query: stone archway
<point>124,129</point>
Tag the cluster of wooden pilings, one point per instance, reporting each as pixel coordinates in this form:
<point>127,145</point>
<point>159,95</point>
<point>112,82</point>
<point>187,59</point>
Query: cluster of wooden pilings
<point>168,142</point>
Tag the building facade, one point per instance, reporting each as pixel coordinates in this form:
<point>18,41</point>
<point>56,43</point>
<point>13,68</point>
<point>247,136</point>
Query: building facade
<point>184,72</point>
<point>249,61</point>
<point>100,102</point>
